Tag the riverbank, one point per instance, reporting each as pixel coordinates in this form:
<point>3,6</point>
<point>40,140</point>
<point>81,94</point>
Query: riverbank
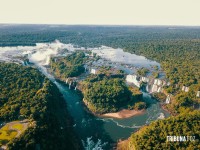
<point>122,144</point>
<point>163,106</point>
<point>124,113</point>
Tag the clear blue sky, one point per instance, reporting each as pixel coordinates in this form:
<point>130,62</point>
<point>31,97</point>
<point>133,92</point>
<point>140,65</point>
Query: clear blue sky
<point>122,12</point>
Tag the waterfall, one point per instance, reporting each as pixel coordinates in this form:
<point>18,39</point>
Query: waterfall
<point>159,82</point>
<point>159,89</point>
<point>154,88</point>
<point>133,79</point>
<point>198,94</point>
<point>70,85</point>
<point>25,63</point>
<point>185,89</point>
<point>168,99</point>
<point>155,81</point>
<point>147,88</point>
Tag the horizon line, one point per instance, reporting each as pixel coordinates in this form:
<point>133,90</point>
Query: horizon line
<point>63,24</point>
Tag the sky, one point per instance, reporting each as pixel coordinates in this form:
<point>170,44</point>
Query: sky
<point>101,12</point>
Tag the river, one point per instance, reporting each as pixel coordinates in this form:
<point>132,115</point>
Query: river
<point>108,130</point>
<point>95,132</point>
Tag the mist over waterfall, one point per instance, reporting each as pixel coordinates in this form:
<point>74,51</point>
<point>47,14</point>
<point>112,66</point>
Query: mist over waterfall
<point>96,133</point>
<point>39,54</point>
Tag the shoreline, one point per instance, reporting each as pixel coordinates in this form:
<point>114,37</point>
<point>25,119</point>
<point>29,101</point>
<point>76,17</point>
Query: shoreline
<point>163,106</point>
<point>123,114</point>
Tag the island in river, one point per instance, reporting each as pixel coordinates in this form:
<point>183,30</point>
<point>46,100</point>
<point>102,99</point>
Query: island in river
<point>103,92</point>
<point>172,48</point>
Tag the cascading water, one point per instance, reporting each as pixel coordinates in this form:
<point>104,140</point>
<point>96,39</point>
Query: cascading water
<point>154,88</point>
<point>102,130</point>
<point>168,99</point>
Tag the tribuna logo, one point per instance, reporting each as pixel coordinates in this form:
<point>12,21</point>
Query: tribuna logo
<point>180,138</point>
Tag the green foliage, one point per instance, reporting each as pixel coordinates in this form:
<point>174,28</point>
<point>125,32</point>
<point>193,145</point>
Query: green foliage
<point>159,96</point>
<point>18,87</point>
<point>140,105</point>
<point>185,101</point>
<point>69,66</point>
<point>155,135</point>
<point>25,92</point>
<point>105,94</point>
<point>142,71</point>
<point>155,74</point>
<point>177,50</point>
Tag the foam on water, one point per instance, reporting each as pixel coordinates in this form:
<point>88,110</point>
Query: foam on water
<point>40,56</point>
<point>118,55</point>
<point>117,123</point>
<point>89,144</point>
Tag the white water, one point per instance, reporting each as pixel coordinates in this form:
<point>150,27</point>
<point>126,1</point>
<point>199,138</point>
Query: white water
<point>118,55</point>
<point>89,144</point>
<point>40,55</point>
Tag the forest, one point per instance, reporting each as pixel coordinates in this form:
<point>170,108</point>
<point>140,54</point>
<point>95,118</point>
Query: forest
<point>70,66</point>
<point>104,94</point>
<point>175,48</point>
<point>26,94</point>
<point>155,134</point>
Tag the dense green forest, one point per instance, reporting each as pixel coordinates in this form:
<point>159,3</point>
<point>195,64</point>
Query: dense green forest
<point>70,66</point>
<point>26,94</point>
<point>176,48</point>
<point>104,94</point>
<point>154,136</point>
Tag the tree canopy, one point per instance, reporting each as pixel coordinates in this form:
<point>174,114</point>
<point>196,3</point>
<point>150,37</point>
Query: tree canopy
<point>26,94</point>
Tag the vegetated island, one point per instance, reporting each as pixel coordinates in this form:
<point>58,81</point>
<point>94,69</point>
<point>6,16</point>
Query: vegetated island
<point>185,126</point>
<point>103,93</point>
<point>71,65</point>
<point>33,113</point>
<point>177,49</point>
<point>111,97</point>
